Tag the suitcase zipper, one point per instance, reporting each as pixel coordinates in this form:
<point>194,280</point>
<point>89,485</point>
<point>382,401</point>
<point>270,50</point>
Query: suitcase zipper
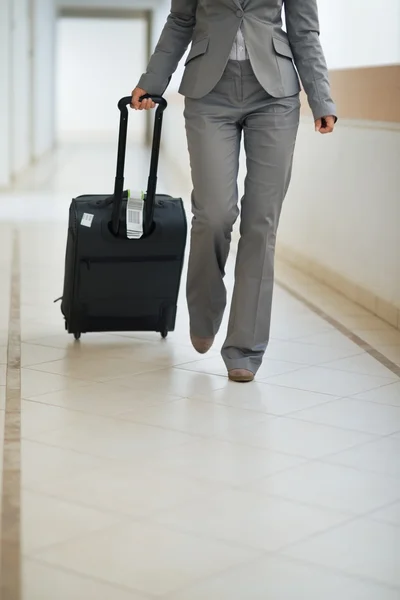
<point>163,258</point>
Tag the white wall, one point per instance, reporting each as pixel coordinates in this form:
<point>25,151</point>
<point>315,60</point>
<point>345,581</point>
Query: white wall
<point>125,4</point>
<point>360,32</point>
<point>98,61</point>
<point>4,94</point>
<point>343,209</point>
<point>20,133</point>
<point>160,10</point>
<point>43,74</point>
<point>160,17</point>
<point>342,213</point>
<point>26,83</point>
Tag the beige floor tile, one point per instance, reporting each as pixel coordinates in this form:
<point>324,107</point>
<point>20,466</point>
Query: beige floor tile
<point>327,381</point>
<point>216,366</point>
<point>293,328</point>
<point>1,450</point>
<point>45,464</point>
<point>102,399</point>
<point>35,383</point>
<point>251,519</point>
<point>41,582</point>
<point>333,339</point>
<point>146,557</point>
<point>362,363</point>
<point>380,456</point>
<point>309,354</point>
<point>3,374</point>
<point>363,547</point>
<point>47,521</point>
<point>278,578</point>
<point>181,334</point>
<point>309,440</point>
<point>332,486</point>
<point>37,418</point>
<point>3,355</point>
<point>165,353</point>
<point>388,394</point>
<point>273,399</point>
<point>33,354</point>
<point>283,304</point>
<point>30,330</point>
<point>388,514</point>
<point>223,462</point>
<point>113,438</point>
<point>4,326</point>
<point>133,491</point>
<point>348,413</point>
<point>194,416</point>
<point>93,369</point>
<point>90,344</point>
<point>174,381</point>
<point>38,316</point>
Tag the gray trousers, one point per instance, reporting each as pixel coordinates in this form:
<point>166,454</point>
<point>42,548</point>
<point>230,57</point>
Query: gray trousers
<point>214,126</point>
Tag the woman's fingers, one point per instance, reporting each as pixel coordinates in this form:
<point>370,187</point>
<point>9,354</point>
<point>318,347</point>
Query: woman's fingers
<point>325,124</point>
<point>147,104</point>
<point>136,94</point>
<point>138,104</point>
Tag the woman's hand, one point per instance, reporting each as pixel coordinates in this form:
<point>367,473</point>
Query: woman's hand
<point>144,104</point>
<point>325,124</point>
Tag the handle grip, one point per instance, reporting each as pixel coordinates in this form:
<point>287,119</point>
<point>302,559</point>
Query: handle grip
<point>126,101</point>
<point>155,152</point>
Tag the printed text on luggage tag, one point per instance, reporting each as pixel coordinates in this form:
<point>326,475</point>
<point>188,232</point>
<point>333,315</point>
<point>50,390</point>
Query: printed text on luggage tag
<point>134,216</point>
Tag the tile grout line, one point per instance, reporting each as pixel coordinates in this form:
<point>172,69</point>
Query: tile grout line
<point>92,578</point>
<point>378,356</point>
<point>10,526</point>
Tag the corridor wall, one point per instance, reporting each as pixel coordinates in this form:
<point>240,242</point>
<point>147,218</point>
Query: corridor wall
<point>26,84</point>
<point>341,220</point>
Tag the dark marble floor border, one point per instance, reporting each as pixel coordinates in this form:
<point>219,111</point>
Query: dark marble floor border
<point>10,527</point>
<point>393,367</point>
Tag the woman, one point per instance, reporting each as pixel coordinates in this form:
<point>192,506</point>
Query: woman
<point>239,79</point>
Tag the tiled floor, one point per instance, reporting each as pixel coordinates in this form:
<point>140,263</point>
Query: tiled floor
<point>146,474</point>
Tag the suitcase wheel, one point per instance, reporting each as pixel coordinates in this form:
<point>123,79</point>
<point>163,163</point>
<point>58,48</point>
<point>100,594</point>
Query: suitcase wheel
<point>77,335</point>
<point>164,333</point>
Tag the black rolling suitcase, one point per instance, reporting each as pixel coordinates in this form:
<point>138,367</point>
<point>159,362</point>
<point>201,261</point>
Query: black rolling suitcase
<point>113,283</point>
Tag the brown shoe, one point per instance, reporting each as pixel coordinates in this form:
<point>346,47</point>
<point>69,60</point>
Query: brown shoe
<point>240,375</point>
<point>201,344</point>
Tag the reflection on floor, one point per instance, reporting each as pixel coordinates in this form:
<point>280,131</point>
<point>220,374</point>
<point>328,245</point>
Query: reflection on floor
<point>146,474</point>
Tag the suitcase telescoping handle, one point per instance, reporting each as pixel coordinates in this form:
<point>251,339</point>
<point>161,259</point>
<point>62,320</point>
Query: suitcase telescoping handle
<point>155,152</point>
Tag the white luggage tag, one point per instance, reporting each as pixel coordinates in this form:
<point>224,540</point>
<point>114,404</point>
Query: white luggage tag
<point>87,219</point>
<point>134,215</point>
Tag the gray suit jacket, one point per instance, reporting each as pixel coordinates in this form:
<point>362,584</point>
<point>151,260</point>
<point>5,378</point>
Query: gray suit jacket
<point>211,27</point>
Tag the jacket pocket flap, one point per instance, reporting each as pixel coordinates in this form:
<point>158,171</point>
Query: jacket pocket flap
<point>282,48</point>
<point>197,49</point>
